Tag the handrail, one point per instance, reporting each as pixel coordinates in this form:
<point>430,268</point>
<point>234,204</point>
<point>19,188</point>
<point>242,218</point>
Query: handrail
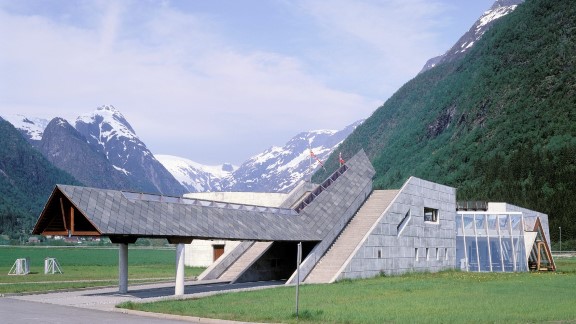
<point>323,186</point>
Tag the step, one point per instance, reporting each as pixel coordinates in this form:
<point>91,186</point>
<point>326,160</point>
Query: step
<point>345,244</point>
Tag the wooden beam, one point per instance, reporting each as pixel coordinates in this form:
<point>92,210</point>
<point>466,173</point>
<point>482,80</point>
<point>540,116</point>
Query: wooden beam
<point>538,228</point>
<point>538,258</point>
<point>63,214</point>
<point>62,233</point>
<point>72,219</point>
<point>86,233</point>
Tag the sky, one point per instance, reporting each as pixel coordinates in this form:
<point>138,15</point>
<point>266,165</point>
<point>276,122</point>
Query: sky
<point>219,81</point>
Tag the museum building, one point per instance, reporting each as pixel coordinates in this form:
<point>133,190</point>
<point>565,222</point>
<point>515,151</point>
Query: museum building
<point>346,229</point>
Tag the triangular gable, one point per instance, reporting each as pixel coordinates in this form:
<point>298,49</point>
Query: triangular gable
<point>540,254</point>
<point>60,216</point>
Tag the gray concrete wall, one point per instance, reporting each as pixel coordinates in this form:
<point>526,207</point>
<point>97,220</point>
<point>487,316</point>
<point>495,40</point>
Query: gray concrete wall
<point>383,250</point>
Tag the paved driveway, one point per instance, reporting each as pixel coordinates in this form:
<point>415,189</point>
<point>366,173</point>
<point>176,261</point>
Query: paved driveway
<point>98,305</point>
<point>18,311</point>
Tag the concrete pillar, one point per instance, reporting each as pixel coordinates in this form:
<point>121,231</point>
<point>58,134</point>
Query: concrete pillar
<point>179,287</point>
<point>123,268</point>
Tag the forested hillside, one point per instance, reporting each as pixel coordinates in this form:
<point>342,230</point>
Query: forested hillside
<point>498,124</point>
<point>26,180</point>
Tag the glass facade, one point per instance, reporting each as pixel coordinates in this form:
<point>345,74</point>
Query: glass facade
<point>488,242</point>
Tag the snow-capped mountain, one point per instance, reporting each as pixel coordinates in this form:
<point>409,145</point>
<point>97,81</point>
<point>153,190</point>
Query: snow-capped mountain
<point>103,150</point>
<point>108,132</point>
<point>499,9</point>
<point>194,176</point>
<point>31,127</point>
<point>67,149</point>
<point>278,169</point>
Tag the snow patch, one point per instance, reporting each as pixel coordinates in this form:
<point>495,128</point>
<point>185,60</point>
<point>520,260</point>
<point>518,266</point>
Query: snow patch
<point>492,15</point>
<point>126,172</point>
<point>32,126</point>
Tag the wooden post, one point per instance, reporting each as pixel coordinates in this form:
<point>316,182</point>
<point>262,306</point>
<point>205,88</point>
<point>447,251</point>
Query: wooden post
<point>71,230</point>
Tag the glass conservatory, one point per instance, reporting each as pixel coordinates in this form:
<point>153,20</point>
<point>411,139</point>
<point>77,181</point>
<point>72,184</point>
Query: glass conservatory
<point>500,242</point>
<point>491,242</point>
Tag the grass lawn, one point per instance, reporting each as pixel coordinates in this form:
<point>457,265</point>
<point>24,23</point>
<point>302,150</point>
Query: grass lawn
<point>450,296</point>
<point>84,267</point>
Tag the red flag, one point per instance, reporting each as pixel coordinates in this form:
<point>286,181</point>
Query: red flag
<point>340,159</point>
<point>317,159</point>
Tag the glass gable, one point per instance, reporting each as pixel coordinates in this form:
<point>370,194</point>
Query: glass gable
<point>490,242</point>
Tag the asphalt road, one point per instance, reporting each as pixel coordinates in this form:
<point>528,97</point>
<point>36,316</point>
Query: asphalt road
<point>98,305</point>
<point>16,311</point>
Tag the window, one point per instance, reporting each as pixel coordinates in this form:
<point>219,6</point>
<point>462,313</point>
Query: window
<point>416,254</point>
<point>430,215</point>
<point>446,254</point>
<point>427,254</point>
<point>437,254</point>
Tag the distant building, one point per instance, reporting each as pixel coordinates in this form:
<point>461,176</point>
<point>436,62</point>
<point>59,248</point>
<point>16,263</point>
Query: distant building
<point>33,239</point>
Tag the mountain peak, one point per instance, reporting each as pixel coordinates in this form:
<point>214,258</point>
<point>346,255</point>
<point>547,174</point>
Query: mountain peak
<point>109,132</point>
<point>499,9</point>
<point>110,119</point>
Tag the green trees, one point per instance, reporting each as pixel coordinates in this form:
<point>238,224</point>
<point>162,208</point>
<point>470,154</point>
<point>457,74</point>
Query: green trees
<point>499,124</point>
<point>26,180</point>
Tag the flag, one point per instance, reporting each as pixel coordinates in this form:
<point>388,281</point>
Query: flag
<point>317,159</point>
<point>340,159</point>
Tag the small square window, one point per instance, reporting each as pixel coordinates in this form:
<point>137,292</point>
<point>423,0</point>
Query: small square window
<point>430,215</point>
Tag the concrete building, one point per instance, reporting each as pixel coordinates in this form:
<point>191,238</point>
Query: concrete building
<point>203,253</point>
<point>346,229</point>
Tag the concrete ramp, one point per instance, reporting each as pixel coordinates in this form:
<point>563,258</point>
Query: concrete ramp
<point>245,261</point>
<point>331,264</point>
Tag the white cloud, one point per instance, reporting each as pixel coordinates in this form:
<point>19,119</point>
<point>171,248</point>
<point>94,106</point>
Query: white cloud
<point>390,39</point>
<point>175,81</point>
<point>186,86</point>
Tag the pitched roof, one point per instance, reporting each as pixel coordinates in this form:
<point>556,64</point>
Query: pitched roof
<point>89,211</point>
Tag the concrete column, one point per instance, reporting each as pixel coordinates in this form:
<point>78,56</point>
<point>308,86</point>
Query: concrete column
<point>179,287</point>
<point>123,268</point>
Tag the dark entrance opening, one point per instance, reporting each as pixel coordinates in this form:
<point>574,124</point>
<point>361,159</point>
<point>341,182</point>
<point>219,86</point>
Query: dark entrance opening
<point>278,263</point>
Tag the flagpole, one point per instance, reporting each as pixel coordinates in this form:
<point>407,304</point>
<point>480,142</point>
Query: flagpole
<point>309,162</point>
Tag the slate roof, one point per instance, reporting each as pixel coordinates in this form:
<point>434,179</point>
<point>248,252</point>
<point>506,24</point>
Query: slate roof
<point>119,213</point>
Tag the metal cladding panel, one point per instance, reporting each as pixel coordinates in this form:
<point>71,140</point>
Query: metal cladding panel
<point>120,213</point>
<point>150,218</point>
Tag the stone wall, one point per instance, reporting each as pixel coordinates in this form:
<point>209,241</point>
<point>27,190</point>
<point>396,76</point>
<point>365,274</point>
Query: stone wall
<point>418,245</point>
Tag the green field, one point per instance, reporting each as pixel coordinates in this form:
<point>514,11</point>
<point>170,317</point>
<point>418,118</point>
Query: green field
<point>446,297</point>
<point>85,267</point>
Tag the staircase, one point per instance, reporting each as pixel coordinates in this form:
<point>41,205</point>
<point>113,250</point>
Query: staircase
<point>329,265</point>
<point>245,261</point>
